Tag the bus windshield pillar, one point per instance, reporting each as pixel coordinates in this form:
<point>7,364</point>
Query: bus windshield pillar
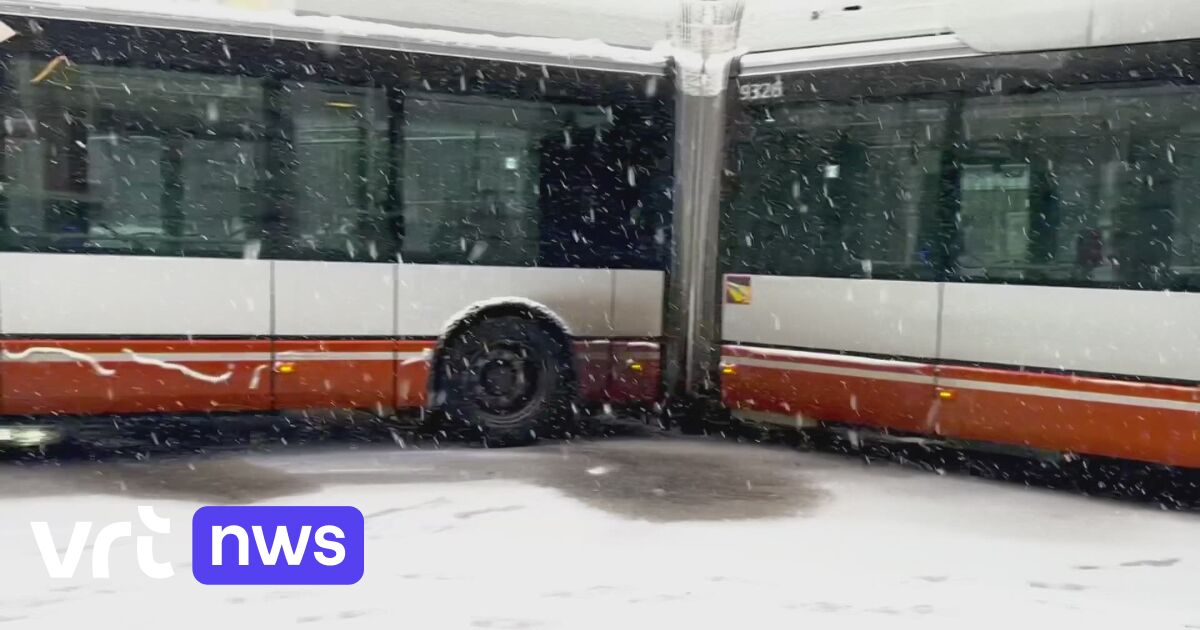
<point>705,42</point>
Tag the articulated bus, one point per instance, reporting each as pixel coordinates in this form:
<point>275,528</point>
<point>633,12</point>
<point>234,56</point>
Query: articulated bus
<point>218,211</point>
<point>943,220</point>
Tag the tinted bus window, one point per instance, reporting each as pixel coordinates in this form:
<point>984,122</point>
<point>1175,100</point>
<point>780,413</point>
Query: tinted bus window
<point>1092,187</point>
<point>509,182</point>
<point>125,160</point>
<point>837,190</point>
<point>336,164</point>
<point>473,176</point>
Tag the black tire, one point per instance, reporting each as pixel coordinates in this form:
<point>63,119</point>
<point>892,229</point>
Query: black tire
<point>508,377</point>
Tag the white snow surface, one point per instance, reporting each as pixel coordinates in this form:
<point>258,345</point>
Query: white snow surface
<point>333,26</point>
<point>882,547</point>
<point>81,357</point>
<point>511,300</point>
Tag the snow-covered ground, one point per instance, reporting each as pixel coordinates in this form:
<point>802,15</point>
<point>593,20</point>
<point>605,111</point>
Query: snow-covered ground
<point>667,532</point>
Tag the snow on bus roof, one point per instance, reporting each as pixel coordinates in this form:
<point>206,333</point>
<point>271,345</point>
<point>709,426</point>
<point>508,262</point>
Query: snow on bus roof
<point>766,25</point>
<point>281,24</point>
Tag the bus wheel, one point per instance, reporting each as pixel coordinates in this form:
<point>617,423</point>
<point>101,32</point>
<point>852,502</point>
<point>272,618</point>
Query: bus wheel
<point>507,376</point>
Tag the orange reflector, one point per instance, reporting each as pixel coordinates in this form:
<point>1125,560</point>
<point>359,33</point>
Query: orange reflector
<point>285,368</point>
<point>728,369</point>
<point>945,394</point>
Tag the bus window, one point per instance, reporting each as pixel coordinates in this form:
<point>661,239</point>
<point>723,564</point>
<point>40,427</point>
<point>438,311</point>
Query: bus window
<point>124,160</point>
<point>471,179</point>
<point>497,181</point>
<point>837,190</point>
<point>994,216</point>
<point>335,173</point>
<point>1085,187</point>
<point>605,187</point>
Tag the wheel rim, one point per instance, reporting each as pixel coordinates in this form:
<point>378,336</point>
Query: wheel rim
<point>506,379</point>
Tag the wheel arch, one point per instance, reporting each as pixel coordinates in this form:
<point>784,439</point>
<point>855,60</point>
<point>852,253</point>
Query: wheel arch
<point>460,322</point>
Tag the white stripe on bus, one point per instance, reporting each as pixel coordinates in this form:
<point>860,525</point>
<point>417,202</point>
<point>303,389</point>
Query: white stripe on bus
<point>316,355</point>
<point>899,377</point>
<point>1071,394</point>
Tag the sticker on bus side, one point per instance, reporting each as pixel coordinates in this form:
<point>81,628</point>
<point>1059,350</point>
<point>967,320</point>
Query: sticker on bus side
<point>6,32</point>
<point>761,90</point>
<point>737,289</point>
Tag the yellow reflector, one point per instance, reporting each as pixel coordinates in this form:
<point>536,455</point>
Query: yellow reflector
<point>636,367</point>
<point>728,369</point>
<point>285,368</point>
<point>945,394</point>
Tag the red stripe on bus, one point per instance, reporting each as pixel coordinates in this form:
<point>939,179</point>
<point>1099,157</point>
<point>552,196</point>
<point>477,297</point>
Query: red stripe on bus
<point>1146,422</point>
<point>120,376</point>
<point>303,381</point>
<point>89,376</point>
<point>829,397</point>
<point>105,376</point>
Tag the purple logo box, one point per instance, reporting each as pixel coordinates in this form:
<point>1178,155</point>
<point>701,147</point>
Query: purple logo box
<point>277,545</point>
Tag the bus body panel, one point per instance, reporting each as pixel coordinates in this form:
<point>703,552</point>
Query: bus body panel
<point>76,294</point>
<point>1149,422</point>
<point>873,317</point>
<point>333,299</point>
<point>1152,334</point>
<point>330,345</point>
<point>1054,412</point>
<point>803,386</point>
<point>335,373</point>
<point>432,296</point>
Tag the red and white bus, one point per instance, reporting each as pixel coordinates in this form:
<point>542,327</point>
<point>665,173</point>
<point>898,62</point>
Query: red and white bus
<point>208,210</point>
<point>971,221</point>
<point>963,221</point>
